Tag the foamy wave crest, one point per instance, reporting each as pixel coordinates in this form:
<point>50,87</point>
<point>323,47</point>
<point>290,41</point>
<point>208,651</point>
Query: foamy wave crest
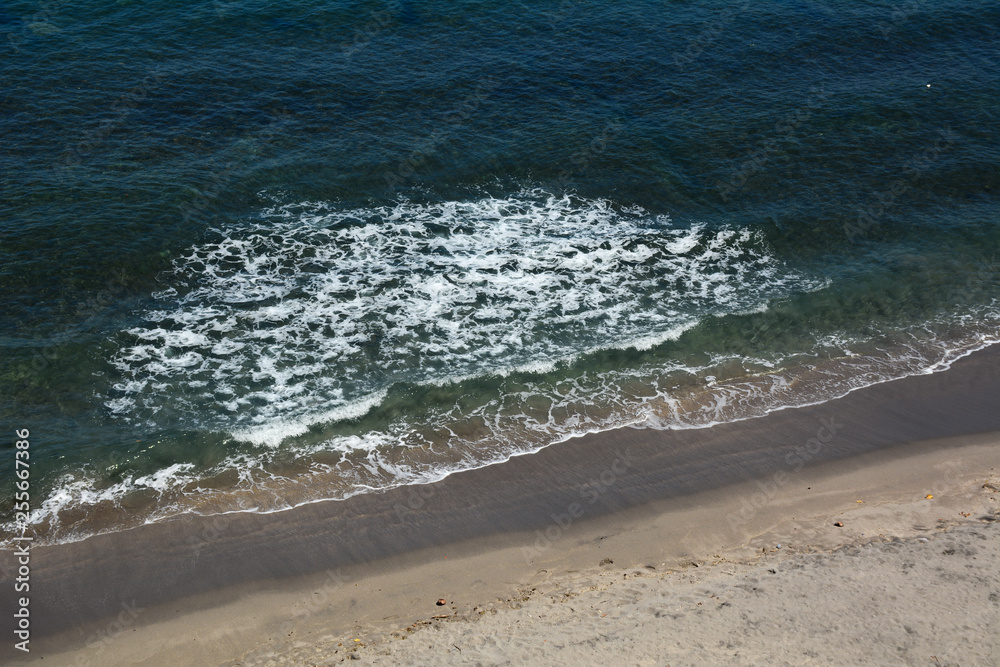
<point>295,317</point>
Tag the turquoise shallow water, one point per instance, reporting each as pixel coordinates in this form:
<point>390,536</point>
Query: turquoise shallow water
<point>259,256</point>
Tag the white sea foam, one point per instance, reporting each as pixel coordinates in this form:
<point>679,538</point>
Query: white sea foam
<point>290,319</point>
<point>273,432</point>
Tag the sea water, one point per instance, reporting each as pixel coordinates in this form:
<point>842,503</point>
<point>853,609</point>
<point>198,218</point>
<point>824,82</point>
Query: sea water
<point>256,256</point>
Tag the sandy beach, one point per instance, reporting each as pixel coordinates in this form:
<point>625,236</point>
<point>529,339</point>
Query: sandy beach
<point>932,597</point>
<point>858,531</point>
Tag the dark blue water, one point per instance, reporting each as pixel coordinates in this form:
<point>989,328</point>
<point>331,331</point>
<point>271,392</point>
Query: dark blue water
<point>255,256</point>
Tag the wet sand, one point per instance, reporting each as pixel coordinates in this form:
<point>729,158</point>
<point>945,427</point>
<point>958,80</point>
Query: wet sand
<point>216,590</point>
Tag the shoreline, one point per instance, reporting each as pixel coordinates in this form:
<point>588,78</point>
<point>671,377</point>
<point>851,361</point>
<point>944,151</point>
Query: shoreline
<point>651,494</point>
<point>304,486</point>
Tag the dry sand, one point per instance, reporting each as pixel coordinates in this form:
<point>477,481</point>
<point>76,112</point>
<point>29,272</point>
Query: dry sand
<point>929,598</point>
